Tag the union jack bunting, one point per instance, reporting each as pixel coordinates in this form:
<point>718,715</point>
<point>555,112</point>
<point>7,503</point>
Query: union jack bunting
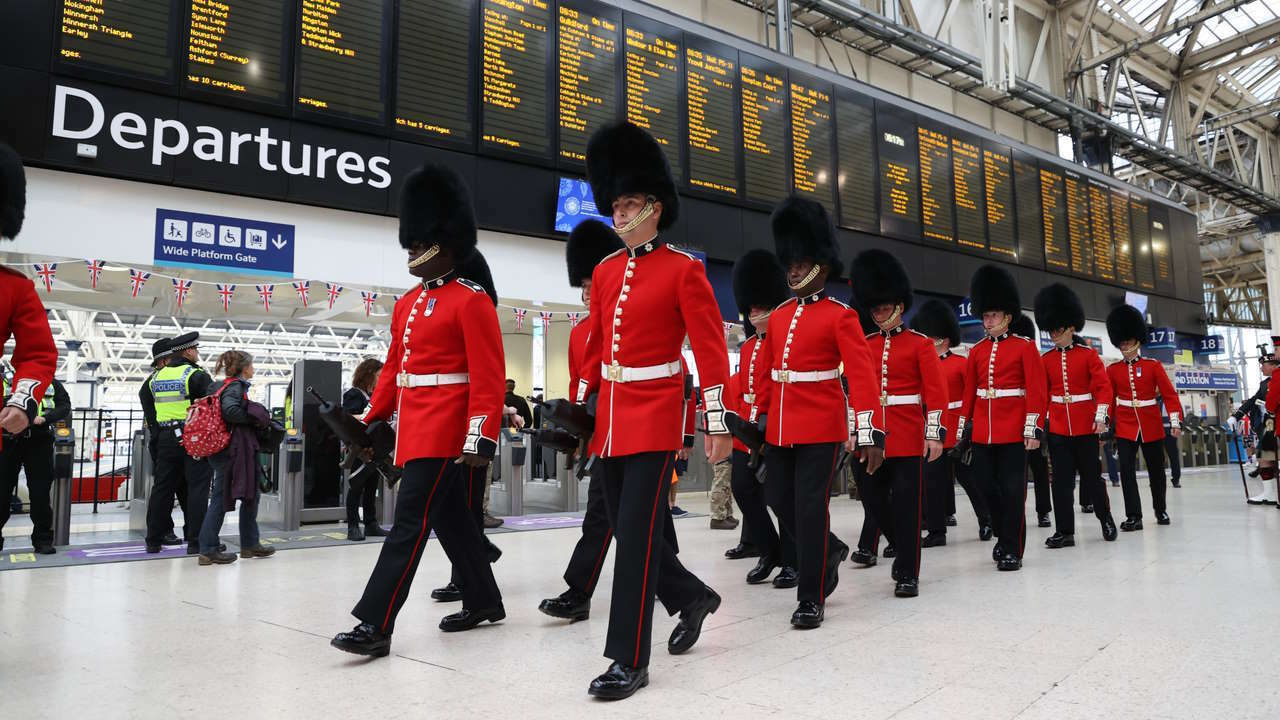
<point>368,299</point>
<point>95,270</point>
<point>546,319</point>
<point>520,313</point>
<point>46,271</point>
<point>264,292</point>
<point>334,292</point>
<point>180,290</point>
<point>225,292</point>
<point>137,279</point>
<point>574,319</point>
<point>302,287</point>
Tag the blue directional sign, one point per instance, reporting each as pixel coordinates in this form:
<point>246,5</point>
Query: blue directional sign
<point>196,240</point>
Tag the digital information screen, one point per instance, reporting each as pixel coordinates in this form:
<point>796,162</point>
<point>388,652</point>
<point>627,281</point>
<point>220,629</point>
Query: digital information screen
<point>1079,238</point>
<point>237,48</point>
<point>514,39</point>
<point>1057,244</point>
<point>811,133</point>
<point>1160,249</point>
<point>340,58</point>
<point>1104,264</point>
<point>936,221</point>
<point>587,62</point>
<point>970,195</point>
<point>434,76</point>
<point>1122,237</point>
<point>653,86</point>
<point>998,175</point>
<point>899,172</point>
<point>126,37</point>
<point>764,129</point>
<point>1140,230</point>
<point>713,137</point>
<point>856,153</point>
<point>1026,196</point>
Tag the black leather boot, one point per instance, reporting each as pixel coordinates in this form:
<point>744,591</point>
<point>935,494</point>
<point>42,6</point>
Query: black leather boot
<point>1043,520</point>
<point>908,588</point>
<point>763,569</point>
<point>890,552</point>
<point>833,569</point>
<point>354,533</point>
<point>1131,524</point>
<point>363,640</point>
<point>934,540</point>
<point>1162,518</point>
<point>618,682</point>
<point>374,530</point>
<point>467,619</point>
<point>1109,528</point>
<point>808,615</point>
<point>448,593</point>
<point>741,551</point>
<point>985,532</point>
<point>1009,562</point>
<point>689,629</point>
<point>787,578</point>
<point>1058,540</point>
<point>865,558</point>
<point>571,605</point>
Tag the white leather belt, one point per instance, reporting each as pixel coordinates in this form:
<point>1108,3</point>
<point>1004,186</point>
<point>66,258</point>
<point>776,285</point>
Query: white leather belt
<point>1136,403</point>
<point>749,398</point>
<point>799,376</point>
<point>992,393</point>
<point>955,405</point>
<point>623,374</point>
<point>410,380</point>
<point>887,400</point>
<point>1068,399</point>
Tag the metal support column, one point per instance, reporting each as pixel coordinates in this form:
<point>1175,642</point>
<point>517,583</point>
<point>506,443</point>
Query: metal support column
<point>1271,261</point>
<point>783,10</point>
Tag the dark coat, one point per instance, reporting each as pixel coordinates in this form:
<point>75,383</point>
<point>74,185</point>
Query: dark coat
<point>244,419</point>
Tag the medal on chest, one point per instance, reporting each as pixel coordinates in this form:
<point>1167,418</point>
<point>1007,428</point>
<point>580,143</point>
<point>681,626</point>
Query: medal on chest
<point>431,307</point>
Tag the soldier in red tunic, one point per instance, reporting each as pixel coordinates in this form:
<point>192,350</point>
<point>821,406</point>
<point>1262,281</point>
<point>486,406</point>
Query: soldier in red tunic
<point>644,301</point>
<point>1139,383</point>
<point>1079,403</point>
<point>1004,404</point>
<point>810,418</point>
<point>912,399</point>
<point>1037,460</point>
<point>444,379</point>
<point>937,320</point>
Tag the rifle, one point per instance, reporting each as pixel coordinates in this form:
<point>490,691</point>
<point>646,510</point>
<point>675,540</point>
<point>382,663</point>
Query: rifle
<point>570,431</point>
<point>378,438</point>
<point>751,435</point>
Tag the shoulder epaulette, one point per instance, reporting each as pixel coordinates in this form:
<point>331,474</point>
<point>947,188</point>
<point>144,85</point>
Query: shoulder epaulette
<point>841,304</point>
<point>682,252</point>
<point>471,284</point>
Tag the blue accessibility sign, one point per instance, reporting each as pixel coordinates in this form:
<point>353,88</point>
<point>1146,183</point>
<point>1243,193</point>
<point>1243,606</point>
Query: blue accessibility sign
<point>196,240</point>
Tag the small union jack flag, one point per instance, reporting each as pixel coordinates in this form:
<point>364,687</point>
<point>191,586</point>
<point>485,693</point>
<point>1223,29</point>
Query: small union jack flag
<point>334,292</point>
<point>46,271</point>
<point>264,292</point>
<point>368,299</point>
<point>302,287</point>
<point>546,319</point>
<point>138,278</point>
<point>225,292</point>
<point>95,270</point>
<point>574,319</point>
<point>180,290</point>
<point>520,313</point>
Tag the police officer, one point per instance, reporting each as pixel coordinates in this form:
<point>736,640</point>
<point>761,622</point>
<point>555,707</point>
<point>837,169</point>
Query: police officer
<point>160,352</point>
<point>32,451</point>
<point>173,387</point>
<point>1004,404</point>
<point>1252,408</point>
<point>912,400</point>
<point>1037,460</point>
<point>1136,382</point>
<point>1079,403</point>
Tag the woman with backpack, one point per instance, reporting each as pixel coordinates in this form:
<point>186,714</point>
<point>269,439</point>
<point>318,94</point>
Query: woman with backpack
<point>236,470</point>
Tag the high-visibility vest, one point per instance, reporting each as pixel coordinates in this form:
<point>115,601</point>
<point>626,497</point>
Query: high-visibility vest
<point>171,389</point>
<point>45,406</point>
<point>288,412</point>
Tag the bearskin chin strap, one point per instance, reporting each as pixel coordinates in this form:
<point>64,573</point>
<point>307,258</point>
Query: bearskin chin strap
<point>429,253</point>
<point>638,220</point>
<point>891,321</point>
<point>813,273</point>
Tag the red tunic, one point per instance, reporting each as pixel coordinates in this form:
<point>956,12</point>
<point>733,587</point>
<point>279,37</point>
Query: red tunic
<point>1272,401</point>
<point>577,353</point>
<point>644,301</point>
<point>446,326</point>
<point>953,367</point>
<point>1005,390</point>
<point>35,357</point>
<point>1142,379</point>
<point>1079,391</point>
<point>743,384</point>
<point>816,334</point>
<point>908,373</point>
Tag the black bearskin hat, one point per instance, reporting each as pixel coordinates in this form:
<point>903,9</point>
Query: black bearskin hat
<point>1057,306</point>
<point>476,269</point>
<point>993,288</point>
<point>1126,323</point>
<point>589,243</point>
<point>13,192</point>
<point>435,207</point>
<point>878,278</point>
<point>802,230</point>
<point>759,280</point>
<point>622,159</point>
<point>936,319</point>
<point>1021,325</point>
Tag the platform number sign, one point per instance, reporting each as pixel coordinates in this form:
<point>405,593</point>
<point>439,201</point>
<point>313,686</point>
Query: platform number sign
<point>1161,337</point>
<point>1211,345</point>
<point>964,312</point>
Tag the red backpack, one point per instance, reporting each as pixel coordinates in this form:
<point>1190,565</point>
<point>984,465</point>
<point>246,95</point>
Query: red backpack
<point>205,432</point>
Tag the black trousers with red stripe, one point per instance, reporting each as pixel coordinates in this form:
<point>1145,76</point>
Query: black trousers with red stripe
<point>589,554</point>
<point>757,526</point>
<point>893,496</point>
<point>433,496</point>
<point>1072,455</point>
<point>1001,470</point>
<point>939,493</point>
<point>645,565</point>
<point>799,488</point>
<point>977,496</point>
<point>475,479</point>
<point>1038,464</point>
<point>1153,453</point>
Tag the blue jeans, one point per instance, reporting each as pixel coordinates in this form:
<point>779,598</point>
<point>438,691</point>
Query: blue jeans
<point>213,518</point>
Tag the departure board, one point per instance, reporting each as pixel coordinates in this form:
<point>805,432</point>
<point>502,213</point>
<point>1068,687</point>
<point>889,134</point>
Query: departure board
<point>123,37</point>
<point>340,58</point>
<point>936,221</point>
<point>856,153</point>
<point>434,76</point>
<point>970,194</point>
<point>1026,199</point>
<point>1104,263</point>
<point>812,158</point>
<point>588,74</point>
<point>1140,230</point>
<point>1122,237</point>
<point>1053,201</point>
<point>1079,237</point>
<point>899,172</point>
<point>654,85</point>
<point>514,40</point>
<point>997,173</point>
<point>237,48</point>
<point>766,170</point>
<point>710,75</point>
<point>1160,250</point>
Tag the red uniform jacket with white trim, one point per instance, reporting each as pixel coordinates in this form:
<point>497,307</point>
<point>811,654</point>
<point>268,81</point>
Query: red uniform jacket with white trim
<point>742,386</point>
<point>35,357</point>
<point>953,369</point>
<point>815,334</point>
<point>577,356</point>
<point>443,326</point>
<point>908,374</point>
<point>1079,391</point>
<point>1005,391</point>
<point>1272,402</point>
<point>1141,380</point>
<point>644,301</point>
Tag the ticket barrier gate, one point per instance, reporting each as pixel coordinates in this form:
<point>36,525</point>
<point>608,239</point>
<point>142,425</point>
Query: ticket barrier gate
<point>64,445</point>
<point>506,494</point>
<point>281,506</point>
<point>1197,433</point>
<point>1214,447</point>
<point>141,480</point>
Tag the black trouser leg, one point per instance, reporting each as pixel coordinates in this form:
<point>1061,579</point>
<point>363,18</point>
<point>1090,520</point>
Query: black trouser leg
<point>1089,468</point>
<point>874,490</point>
<point>869,537</point>
<point>168,475</point>
<point>757,526</point>
<point>199,476</point>
<point>589,554</point>
<point>896,495</point>
<point>986,483</point>
<point>939,487</point>
<point>1086,488</point>
<point>949,496</point>
<point>1175,461</point>
<point>1039,466</point>
<point>1153,453</point>
<point>804,474</point>
<point>1062,453</point>
<point>636,489</point>
<point>38,461</point>
<point>10,463</point>
<point>360,477</point>
<point>975,493</point>
<point>1128,452</point>
<point>369,497</point>
<point>473,480</point>
<point>1003,467</point>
